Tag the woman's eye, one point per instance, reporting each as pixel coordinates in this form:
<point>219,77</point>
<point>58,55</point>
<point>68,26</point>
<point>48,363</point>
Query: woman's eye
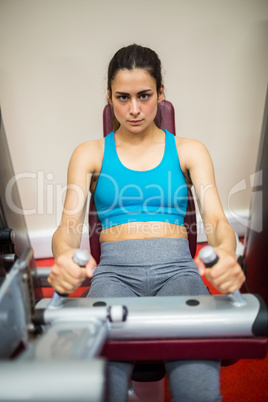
<point>123,97</point>
<point>144,96</point>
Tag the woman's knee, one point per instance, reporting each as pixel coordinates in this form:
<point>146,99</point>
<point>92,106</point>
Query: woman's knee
<point>118,377</point>
<point>194,380</point>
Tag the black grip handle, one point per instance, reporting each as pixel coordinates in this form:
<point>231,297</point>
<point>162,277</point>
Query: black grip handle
<point>208,256</point>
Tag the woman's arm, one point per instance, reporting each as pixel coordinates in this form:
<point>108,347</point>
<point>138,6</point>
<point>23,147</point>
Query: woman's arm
<point>226,275</point>
<point>65,275</point>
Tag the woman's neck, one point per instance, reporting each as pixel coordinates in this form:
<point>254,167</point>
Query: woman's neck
<point>151,134</point>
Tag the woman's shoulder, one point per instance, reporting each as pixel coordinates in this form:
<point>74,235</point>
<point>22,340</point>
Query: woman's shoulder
<point>89,154</point>
<point>93,145</point>
<point>94,148</point>
<point>189,145</point>
<point>188,142</point>
<point>191,151</point>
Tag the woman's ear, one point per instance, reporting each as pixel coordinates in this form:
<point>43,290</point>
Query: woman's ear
<point>109,97</point>
<point>161,94</point>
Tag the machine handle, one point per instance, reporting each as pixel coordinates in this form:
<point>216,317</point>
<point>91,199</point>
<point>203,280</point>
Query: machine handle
<point>210,258</point>
<point>81,257</point>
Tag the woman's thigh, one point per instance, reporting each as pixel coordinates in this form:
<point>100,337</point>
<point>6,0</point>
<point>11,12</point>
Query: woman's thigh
<point>105,286</point>
<point>190,284</point>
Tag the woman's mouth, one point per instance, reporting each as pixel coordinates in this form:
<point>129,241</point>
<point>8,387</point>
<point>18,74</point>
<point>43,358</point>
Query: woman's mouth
<point>135,122</point>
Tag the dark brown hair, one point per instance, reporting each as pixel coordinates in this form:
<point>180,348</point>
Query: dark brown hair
<point>134,56</point>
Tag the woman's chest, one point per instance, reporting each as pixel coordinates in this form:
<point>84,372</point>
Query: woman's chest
<point>141,158</point>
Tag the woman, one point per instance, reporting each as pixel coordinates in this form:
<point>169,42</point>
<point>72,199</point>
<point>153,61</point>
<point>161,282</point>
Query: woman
<point>139,176</point>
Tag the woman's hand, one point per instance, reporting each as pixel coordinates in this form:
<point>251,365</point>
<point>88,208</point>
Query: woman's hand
<point>66,275</point>
<point>226,275</point>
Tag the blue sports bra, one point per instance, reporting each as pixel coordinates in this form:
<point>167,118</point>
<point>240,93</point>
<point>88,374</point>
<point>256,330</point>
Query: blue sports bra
<point>123,195</point>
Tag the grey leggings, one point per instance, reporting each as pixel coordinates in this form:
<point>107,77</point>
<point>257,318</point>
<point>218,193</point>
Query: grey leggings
<point>155,267</point>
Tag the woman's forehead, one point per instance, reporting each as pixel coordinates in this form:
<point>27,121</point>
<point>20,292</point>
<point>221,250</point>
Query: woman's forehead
<point>129,80</point>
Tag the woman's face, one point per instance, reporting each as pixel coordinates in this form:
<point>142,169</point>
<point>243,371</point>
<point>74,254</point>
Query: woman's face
<point>134,98</point>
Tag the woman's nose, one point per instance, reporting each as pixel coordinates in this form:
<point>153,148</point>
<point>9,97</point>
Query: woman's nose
<point>134,107</point>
